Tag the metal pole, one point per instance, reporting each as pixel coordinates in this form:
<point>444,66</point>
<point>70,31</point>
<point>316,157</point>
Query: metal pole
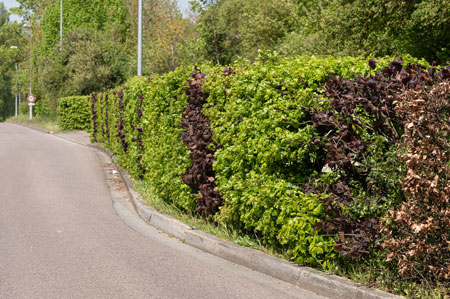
<point>61,27</point>
<point>139,67</point>
<point>17,89</point>
<point>31,69</point>
<point>31,61</point>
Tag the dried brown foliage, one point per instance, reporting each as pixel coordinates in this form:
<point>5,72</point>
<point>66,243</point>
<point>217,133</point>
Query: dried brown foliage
<point>418,230</point>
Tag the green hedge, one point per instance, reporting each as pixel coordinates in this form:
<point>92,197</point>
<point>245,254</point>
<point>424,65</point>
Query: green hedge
<point>260,117</point>
<point>162,157</point>
<point>74,113</point>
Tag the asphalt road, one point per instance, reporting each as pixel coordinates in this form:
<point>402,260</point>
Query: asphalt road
<point>61,236</point>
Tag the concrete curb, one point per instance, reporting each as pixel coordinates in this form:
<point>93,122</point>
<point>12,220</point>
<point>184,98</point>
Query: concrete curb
<point>323,284</point>
<point>31,127</point>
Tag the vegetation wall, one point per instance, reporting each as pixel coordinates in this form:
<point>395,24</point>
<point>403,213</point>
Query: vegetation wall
<point>74,113</point>
<point>310,155</point>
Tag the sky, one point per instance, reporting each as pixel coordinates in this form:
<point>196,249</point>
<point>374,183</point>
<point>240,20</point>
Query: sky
<point>8,5</point>
<point>183,4</point>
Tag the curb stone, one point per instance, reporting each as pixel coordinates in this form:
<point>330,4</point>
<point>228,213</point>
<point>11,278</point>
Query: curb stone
<point>31,127</point>
<point>323,284</point>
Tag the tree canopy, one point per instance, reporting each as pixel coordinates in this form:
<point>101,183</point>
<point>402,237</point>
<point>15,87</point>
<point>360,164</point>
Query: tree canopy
<point>11,54</point>
<point>100,37</point>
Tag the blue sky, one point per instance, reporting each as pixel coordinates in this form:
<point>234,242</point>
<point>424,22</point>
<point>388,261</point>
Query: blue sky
<point>183,4</point>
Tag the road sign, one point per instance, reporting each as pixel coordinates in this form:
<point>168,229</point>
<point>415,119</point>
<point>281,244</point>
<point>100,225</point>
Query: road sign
<point>31,98</point>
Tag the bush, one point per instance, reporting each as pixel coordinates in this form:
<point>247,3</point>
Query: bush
<point>140,123</point>
<point>261,120</point>
<point>305,167</point>
<point>73,113</point>
<point>360,133</point>
<point>418,229</point>
<point>45,108</point>
<point>23,108</point>
<point>268,149</point>
<point>264,143</point>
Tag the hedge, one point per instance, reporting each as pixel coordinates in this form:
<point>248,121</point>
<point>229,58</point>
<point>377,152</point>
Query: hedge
<point>261,118</point>
<point>140,123</point>
<point>262,138</point>
<point>74,113</point>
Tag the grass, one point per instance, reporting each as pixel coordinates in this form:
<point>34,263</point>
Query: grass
<point>49,123</point>
<point>200,223</point>
<point>373,273</point>
<point>380,275</point>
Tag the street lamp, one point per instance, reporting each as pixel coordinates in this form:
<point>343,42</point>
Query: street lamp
<point>139,66</point>
<point>15,47</point>
<point>60,26</point>
<point>29,26</point>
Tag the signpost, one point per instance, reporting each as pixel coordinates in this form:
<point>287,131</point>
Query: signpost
<point>31,99</point>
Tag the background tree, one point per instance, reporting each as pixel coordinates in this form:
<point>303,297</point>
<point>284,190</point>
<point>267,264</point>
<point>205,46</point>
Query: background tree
<point>219,32</point>
<point>97,15</point>
<point>10,36</point>
<point>238,28</point>
<point>167,36</point>
<point>372,27</point>
<point>90,61</point>
<point>94,55</point>
<point>4,16</point>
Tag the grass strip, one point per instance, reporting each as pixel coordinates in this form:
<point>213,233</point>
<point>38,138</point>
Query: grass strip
<point>48,123</point>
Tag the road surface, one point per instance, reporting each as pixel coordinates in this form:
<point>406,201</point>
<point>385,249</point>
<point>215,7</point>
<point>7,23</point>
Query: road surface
<point>62,237</point>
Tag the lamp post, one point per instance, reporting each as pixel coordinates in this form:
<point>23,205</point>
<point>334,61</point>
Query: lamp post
<point>16,104</point>
<point>29,26</point>
<point>139,66</point>
<point>60,26</point>
<point>17,89</point>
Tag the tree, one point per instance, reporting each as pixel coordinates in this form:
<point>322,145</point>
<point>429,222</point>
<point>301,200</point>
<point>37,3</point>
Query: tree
<point>97,15</point>
<point>4,16</point>
<point>232,28</point>
<point>162,40</point>
<point>90,61</point>
<point>10,35</point>
<point>372,27</point>
<point>94,55</point>
<point>166,35</point>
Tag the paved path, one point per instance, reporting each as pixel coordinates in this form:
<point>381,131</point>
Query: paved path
<point>61,237</point>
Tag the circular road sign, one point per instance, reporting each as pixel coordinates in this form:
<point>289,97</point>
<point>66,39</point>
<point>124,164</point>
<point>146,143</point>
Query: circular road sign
<point>31,98</point>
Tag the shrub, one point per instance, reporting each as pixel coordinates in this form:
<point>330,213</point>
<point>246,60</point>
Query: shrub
<point>261,120</point>
<point>73,113</point>
<point>288,161</point>
<point>23,108</point>
<point>360,134</point>
<point>45,108</point>
<point>140,123</point>
<point>418,235</point>
<point>198,138</point>
<point>166,156</point>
